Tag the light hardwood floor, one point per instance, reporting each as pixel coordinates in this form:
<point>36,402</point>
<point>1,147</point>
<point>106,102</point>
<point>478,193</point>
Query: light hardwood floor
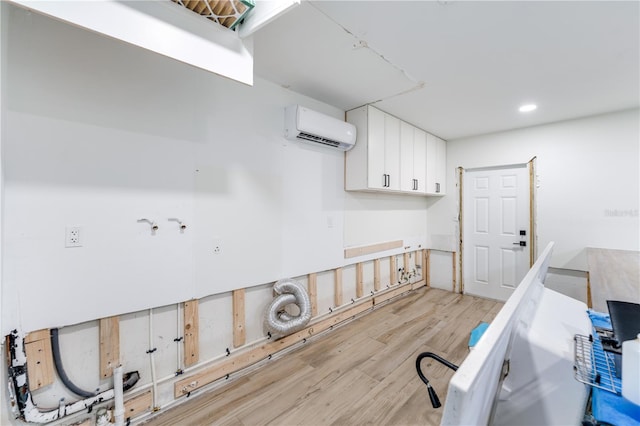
<point>360,373</point>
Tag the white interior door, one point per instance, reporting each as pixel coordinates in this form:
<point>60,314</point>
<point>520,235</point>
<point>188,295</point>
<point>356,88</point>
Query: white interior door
<point>496,230</point>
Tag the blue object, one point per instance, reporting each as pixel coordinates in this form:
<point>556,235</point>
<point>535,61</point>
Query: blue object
<point>608,406</point>
<point>477,333</point>
<point>614,409</point>
<point>599,319</point>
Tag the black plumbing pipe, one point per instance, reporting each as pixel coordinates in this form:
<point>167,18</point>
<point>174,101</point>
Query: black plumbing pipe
<point>129,380</point>
<point>57,361</point>
<point>435,402</point>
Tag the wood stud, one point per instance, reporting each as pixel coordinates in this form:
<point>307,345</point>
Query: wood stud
<point>406,263</point>
<point>460,226</point>
<point>337,282</point>
<point>239,333</point>
<point>246,358</point>
<point>191,335</point>
<point>403,288</point>
<point>359,281</point>
<point>109,328</point>
<point>109,345</point>
<point>313,293</point>
<point>373,248</point>
<point>454,274</point>
<point>393,270</point>
<point>138,404</point>
<point>532,223</point>
<point>37,347</point>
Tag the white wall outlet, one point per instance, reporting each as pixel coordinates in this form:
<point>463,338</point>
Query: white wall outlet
<point>73,236</point>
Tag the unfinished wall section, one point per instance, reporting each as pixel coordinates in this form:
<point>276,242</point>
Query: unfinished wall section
<point>153,343</point>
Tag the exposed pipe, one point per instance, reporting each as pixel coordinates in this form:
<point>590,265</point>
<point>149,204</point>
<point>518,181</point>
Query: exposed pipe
<point>20,394</point>
<point>277,320</point>
<point>57,361</point>
<point>179,367</point>
<point>118,396</point>
<point>151,350</point>
<point>435,402</point>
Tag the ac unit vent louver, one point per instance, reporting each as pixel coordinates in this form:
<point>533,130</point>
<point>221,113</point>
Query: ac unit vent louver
<point>319,139</point>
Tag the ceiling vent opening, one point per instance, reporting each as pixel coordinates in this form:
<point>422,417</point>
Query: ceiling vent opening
<point>228,13</point>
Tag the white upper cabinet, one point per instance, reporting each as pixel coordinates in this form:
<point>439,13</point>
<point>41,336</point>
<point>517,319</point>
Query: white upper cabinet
<point>413,151</point>
<point>436,165</point>
<point>374,163</point>
<point>392,155</point>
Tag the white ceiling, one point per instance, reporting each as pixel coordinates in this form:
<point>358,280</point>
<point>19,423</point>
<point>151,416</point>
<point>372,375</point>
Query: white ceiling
<point>456,68</point>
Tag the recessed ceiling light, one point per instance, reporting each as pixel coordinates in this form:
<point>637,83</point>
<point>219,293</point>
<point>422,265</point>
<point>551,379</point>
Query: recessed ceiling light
<point>527,108</point>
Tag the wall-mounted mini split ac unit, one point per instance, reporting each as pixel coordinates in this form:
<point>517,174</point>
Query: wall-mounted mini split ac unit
<point>303,124</point>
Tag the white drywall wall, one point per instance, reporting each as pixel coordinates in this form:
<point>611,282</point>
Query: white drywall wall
<point>588,182</point>
<point>99,134</point>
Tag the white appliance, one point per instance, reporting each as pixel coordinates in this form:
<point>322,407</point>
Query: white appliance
<point>301,123</point>
<point>521,371</point>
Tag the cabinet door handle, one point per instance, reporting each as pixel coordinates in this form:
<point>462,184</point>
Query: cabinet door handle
<point>437,187</point>
<point>416,180</point>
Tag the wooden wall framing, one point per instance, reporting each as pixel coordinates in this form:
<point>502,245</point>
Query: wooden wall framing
<point>248,356</point>
<point>373,248</point>
<point>109,345</point>
<point>312,289</point>
<point>37,347</point>
<point>41,371</point>
<point>239,333</point>
<point>191,339</point>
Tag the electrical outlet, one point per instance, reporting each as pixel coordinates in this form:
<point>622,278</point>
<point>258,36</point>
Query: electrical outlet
<point>73,236</point>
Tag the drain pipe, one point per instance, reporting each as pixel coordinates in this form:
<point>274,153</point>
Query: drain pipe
<point>178,339</point>
<point>20,395</point>
<point>118,396</point>
<point>151,350</point>
<point>57,362</point>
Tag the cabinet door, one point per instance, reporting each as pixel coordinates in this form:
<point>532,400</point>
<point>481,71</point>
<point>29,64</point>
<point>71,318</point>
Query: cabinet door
<point>392,151</point>
<point>407,177</point>
<point>376,152</point>
<point>436,165</point>
<point>441,166</point>
<point>420,159</point>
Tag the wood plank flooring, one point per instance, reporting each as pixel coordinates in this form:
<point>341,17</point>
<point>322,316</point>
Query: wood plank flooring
<point>360,373</point>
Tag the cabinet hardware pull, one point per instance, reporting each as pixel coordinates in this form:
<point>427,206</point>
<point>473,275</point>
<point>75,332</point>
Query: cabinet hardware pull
<point>437,187</point>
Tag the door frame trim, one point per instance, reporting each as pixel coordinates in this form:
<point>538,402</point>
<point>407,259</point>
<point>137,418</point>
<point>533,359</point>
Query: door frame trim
<point>531,167</point>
